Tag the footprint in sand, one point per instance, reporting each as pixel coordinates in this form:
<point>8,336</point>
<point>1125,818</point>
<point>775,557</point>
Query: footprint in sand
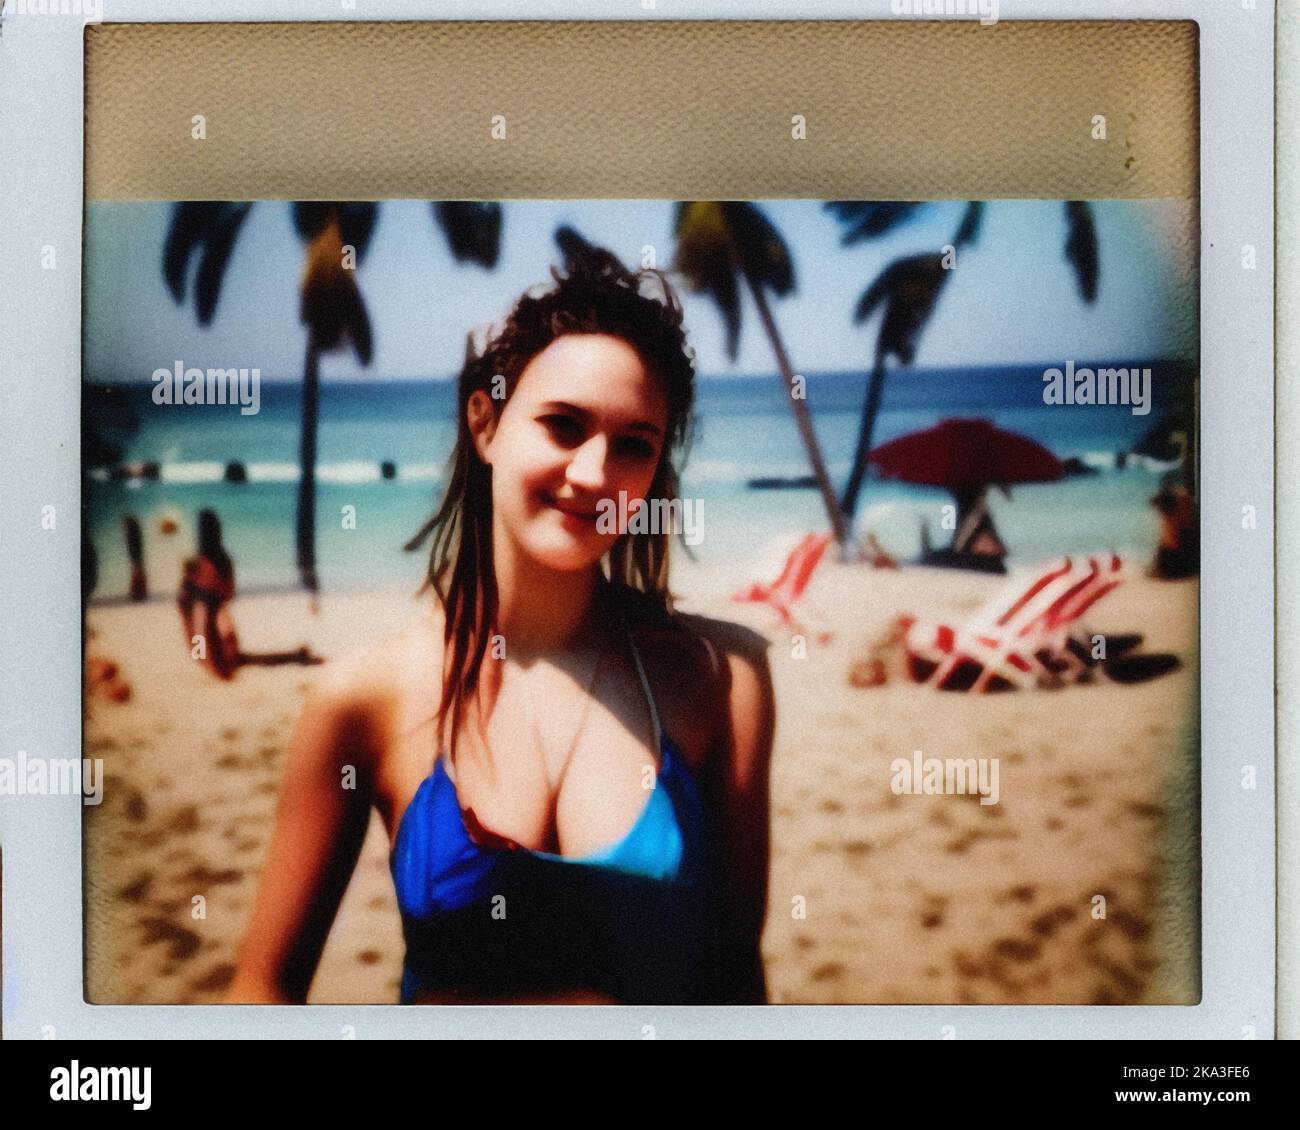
<point>1134,927</point>
<point>229,761</point>
<point>137,809</point>
<point>136,890</point>
<point>215,979</point>
<point>827,971</point>
<point>370,957</point>
<point>1021,893</point>
<point>962,843</point>
<point>1047,923</point>
<point>184,943</point>
<point>201,875</point>
<point>183,820</point>
<point>1144,809</point>
<point>1016,949</point>
<point>1122,986</point>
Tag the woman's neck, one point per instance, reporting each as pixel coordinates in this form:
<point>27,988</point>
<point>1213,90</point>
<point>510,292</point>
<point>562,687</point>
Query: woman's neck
<point>540,609</point>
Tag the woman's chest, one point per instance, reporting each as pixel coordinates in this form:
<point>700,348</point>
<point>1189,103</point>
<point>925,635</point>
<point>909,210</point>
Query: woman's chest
<point>549,771</point>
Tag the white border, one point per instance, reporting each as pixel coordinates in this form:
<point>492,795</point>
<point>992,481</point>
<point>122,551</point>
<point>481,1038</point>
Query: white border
<point>41,123</point>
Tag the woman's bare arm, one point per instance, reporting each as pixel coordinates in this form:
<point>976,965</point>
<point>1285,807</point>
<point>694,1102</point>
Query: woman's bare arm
<point>741,762</point>
<point>324,810</point>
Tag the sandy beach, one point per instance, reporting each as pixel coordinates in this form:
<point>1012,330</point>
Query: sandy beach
<point>875,897</point>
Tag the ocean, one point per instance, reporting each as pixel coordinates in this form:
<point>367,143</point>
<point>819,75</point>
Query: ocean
<point>744,430</point>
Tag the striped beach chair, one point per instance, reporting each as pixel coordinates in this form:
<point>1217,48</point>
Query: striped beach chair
<point>1019,636</point>
<point>788,589</point>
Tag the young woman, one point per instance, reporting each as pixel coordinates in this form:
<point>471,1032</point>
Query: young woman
<point>573,777</point>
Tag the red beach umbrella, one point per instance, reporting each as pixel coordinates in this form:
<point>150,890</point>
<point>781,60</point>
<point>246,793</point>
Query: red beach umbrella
<point>966,453</point>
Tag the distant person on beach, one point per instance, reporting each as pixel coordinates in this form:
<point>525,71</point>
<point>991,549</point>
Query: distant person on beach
<point>976,535</point>
<point>208,587</point>
<point>135,554</point>
<point>1178,554</point>
<point>573,776</point>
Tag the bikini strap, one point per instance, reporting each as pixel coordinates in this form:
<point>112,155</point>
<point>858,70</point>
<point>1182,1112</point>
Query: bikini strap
<point>645,686</point>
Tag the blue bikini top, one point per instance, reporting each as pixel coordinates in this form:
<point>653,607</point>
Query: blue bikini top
<point>629,920</point>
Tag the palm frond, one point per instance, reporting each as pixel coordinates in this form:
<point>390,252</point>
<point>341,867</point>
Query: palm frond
<point>869,219</point>
<point>1081,247</point>
<point>763,254</point>
<point>356,221</point>
<point>707,262</point>
<point>208,227</point>
<point>216,256</point>
<point>331,305</point>
<point>472,228</point>
<point>971,220</point>
<point>908,289</point>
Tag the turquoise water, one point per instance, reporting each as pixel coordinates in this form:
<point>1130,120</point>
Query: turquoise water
<point>745,430</point>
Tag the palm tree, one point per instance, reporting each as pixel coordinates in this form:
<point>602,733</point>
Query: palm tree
<point>909,288</point>
<point>331,305</point>
<point>107,423</point>
<point>721,243</point>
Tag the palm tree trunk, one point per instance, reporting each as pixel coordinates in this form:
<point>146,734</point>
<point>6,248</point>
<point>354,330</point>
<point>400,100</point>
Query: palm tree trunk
<point>306,526</point>
<point>870,410</point>
<point>802,418</point>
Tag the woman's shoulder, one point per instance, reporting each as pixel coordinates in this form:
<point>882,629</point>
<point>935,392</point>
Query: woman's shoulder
<point>374,681</point>
<point>708,668</point>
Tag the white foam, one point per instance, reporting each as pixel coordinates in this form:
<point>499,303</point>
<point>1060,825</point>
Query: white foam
<point>192,472</point>
<point>273,472</point>
<point>348,473</point>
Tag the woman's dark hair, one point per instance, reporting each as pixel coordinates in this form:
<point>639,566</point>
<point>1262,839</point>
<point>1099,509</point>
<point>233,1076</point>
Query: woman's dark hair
<point>594,294</point>
<point>210,543</point>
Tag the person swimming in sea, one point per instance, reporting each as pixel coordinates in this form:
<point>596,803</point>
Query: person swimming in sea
<point>573,775</point>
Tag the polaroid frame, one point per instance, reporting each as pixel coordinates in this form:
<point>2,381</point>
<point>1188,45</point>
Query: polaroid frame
<point>42,138</point>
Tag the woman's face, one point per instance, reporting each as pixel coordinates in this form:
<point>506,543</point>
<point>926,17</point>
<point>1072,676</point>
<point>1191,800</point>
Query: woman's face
<point>586,422</point>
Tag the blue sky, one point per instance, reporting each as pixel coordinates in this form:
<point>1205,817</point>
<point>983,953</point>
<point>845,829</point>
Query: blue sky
<point>1012,299</point>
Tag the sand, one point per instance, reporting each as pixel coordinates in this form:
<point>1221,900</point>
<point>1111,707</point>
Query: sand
<point>875,897</point>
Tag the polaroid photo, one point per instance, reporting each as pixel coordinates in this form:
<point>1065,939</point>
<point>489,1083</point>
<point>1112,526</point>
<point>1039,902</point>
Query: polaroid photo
<point>653,512</point>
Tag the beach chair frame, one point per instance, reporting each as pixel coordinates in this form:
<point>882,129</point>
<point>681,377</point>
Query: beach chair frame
<point>1021,634</point>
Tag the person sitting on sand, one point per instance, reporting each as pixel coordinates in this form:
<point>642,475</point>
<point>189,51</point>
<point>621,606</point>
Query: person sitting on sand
<point>1178,555</point>
<point>208,584</point>
<point>976,534</point>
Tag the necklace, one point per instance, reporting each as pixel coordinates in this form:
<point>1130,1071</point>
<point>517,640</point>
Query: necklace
<point>484,836</point>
